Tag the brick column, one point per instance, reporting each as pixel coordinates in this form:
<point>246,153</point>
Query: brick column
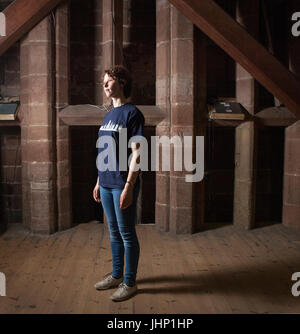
<point>163,72</point>
<point>291,181</point>
<point>182,215</point>
<point>245,155</point>
<point>63,141</point>
<point>37,130</point>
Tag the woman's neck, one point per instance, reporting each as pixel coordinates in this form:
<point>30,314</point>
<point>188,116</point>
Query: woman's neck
<point>119,101</point>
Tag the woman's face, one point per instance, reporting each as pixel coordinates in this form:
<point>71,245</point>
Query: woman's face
<point>112,87</point>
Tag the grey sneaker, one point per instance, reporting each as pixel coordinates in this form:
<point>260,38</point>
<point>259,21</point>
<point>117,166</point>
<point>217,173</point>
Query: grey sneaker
<point>108,282</point>
<point>124,292</point>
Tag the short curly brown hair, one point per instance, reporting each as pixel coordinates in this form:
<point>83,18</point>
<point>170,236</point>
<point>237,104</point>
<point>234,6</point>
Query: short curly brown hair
<point>120,73</point>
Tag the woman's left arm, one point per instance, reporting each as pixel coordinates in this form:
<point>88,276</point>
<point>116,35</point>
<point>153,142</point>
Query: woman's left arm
<point>127,193</point>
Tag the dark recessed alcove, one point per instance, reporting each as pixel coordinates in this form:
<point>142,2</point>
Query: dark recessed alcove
<point>219,175</point>
<point>269,183</point>
<point>84,174</point>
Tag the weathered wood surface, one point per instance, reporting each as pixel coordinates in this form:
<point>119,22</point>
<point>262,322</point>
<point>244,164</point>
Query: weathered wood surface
<point>223,270</point>
<point>88,114</point>
<point>275,116</point>
<point>21,16</point>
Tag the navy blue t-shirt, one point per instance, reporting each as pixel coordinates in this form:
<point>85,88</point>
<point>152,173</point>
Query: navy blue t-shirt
<point>111,141</point>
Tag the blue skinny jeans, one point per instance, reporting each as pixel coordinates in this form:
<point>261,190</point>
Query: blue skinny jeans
<point>123,237</point>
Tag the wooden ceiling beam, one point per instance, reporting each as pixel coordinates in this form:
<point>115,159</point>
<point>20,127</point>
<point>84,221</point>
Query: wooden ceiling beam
<point>21,16</point>
<point>244,49</point>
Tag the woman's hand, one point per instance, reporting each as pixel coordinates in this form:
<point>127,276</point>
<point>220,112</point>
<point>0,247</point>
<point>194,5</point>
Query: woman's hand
<point>96,193</point>
<point>126,196</point>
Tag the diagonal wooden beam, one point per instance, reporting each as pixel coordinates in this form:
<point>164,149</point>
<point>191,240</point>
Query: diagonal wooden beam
<point>21,16</point>
<point>244,49</point>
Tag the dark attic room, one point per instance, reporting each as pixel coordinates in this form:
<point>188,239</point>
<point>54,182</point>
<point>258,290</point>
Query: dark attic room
<point>149,158</point>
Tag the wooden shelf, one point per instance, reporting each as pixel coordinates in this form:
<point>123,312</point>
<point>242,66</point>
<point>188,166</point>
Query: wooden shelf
<point>87,114</point>
<point>226,122</point>
<point>15,122</point>
<point>231,122</point>
<point>273,116</point>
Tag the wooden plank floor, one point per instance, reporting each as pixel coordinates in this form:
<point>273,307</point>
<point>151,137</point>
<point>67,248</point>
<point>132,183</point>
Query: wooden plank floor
<point>224,270</point>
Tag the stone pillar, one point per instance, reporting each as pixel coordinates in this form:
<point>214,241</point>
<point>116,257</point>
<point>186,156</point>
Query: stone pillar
<point>291,181</point>
<point>63,140</point>
<point>246,133</point>
<point>163,72</point>
<point>38,129</point>
<point>182,215</point>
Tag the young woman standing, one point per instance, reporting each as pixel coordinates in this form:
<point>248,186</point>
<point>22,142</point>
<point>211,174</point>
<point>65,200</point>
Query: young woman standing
<point>118,190</point>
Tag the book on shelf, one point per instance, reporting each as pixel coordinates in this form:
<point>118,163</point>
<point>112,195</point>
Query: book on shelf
<point>8,110</point>
<point>230,110</point>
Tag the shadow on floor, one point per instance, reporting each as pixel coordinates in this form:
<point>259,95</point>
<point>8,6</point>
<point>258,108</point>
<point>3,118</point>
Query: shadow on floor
<point>264,281</point>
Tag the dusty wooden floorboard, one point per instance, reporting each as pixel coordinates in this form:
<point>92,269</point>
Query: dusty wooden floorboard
<point>225,270</point>
<point>204,268</point>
